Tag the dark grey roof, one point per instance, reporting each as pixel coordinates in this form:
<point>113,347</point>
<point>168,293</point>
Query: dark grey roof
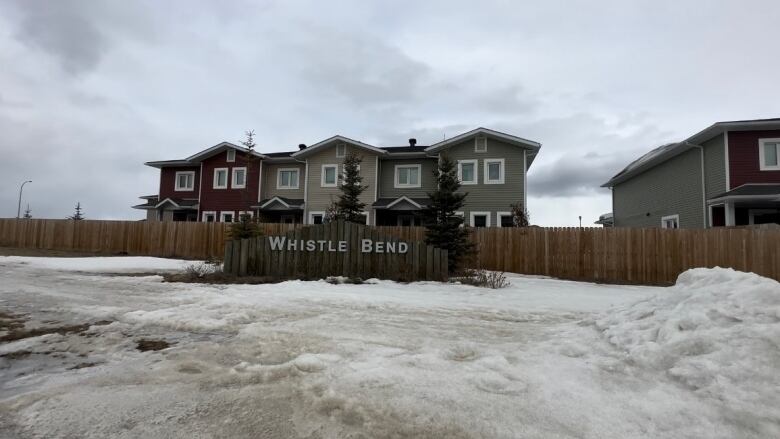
<point>279,154</point>
<point>294,203</point>
<point>747,190</point>
<point>407,148</point>
<point>151,203</point>
<point>383,203</point>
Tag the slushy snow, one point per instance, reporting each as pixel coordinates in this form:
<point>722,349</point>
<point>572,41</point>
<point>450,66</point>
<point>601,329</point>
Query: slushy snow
<point>542,358</point>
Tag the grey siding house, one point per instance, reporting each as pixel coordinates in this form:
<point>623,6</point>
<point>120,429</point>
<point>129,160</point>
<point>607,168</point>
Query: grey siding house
<point>299,186</point>
<point>727,174</point>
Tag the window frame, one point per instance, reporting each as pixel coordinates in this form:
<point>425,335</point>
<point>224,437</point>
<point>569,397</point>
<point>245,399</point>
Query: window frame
<point>206,213</point>
<point>335,175</point>
<point>476,145</point>
<point>762,144</point>
<point>231,155</point>
<point>397,176</point>
<point>343,153</point>
<point>475,214</point>
<point>215,179</point>
<point>227,212</point>
<point>474,162</point>
<point>279,185</point>
<point>251,214</point>
<point>178,188</point>
<point>233,184</point>
<point>675,217</point>
<point>486,173</point>
<point>314,213</point>
<point>500,215</point>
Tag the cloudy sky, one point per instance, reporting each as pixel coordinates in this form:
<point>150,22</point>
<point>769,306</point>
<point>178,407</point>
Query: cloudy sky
<point>89,90</point>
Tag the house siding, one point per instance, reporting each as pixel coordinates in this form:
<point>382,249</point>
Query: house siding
<point>387,187</point>
<point>744,165</point>
<point>319,198</point>
<point>492,198</point>
<point>228,200</point>
<point>168,183</point>
<point>671,188</point>
<point>715,166</point>
<point>270,175</point>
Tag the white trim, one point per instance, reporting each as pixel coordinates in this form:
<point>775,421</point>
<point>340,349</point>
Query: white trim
<point>214,149</point>
<point>260,182</point>
<point>227,212</point>
<point>245,212</point>
<point>473,214</point>
<point>230,159</point>
<point>475,162</point>
<point>233,184</point>
<point>297,178</point>
<point>485,173</point>
<point>728,171</point>
<point>178,188</point>
<point>368,217</point>
<point>476,144</point>
<point>376,182</point>
<point>208,212</point>
<point>507,137</point>
<point>525,180</point>
<point>274,199</point>
<point>499,215</point>
<point>305,191</point>
<point>214,180</point>
<point>343,153</point>
<point>674,217</point>
<point>396,175</point>
<point>167,200</point>
<point>404,198</point>
<point>761,157</point>
<point>752,214</point>
<point>200,186</point>
<point>335,175</point>
<point>314,213</point>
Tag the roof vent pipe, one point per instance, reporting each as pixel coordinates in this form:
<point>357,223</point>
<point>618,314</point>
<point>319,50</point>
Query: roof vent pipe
<point>301,146</point>
<point>412,142</point>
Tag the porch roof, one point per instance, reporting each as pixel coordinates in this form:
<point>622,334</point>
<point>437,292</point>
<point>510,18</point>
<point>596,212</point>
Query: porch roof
<point>411,203</point>
<point>285,203</point>
<point>750,192</point>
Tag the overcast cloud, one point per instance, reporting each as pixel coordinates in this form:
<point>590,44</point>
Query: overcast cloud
<point>90,90</point>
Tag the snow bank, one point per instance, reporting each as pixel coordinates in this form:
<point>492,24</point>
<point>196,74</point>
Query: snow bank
<point>716,332</point>
<point>118,264</point>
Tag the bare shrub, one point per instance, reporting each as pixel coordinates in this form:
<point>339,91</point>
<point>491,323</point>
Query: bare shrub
<point>483,278</point>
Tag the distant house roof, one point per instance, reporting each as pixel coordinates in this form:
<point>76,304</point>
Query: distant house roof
<point>665,152</point>
<point>338,138</point>
<point>755,191</point>
<point>530,145</point>
<point>606,219</point>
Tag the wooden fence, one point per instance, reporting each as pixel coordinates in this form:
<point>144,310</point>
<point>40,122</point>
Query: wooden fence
<point>643,256</point>
<point>335,249</point>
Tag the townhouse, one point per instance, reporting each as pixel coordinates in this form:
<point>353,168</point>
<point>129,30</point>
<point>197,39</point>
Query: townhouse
<point>224,181</point>
<point>725,175</point>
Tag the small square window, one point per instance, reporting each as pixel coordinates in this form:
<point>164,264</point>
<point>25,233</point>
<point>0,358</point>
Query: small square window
<point>467,171</point>
<point>479,221</point>
<point>507,220</point>
<point>287,178</point>
<point>317,219</point>
<point>494,171</point>
<point>220,178</point>
<point>480,144</point>
<point>231,155</point>
<point>209,217</point>
<point>341,149</point>
<point>185,181</point>
<point>407,176</point>
<point>239,178</point>
<point>769,154</point>
<point>226,217</point>
<point>670,222</point>
<point>329,175</point>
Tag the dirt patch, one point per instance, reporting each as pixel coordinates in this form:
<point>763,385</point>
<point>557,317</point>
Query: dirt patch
<point>83,366</point>
<point>223,278</point>
<point>16,330</point>
<point>145,344</point>
<point>16,355</point>
<point>10,322</point>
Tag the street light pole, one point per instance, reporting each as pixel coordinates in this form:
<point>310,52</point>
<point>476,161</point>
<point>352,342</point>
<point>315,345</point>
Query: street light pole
<point>19,207</point>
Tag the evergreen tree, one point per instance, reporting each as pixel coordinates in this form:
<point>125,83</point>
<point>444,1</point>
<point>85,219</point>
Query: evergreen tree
<point>520,215</point>
<point>78,215</point>
<point>349,207</point>
<point>443,227</point>
<point>246,227</point>
<point>27,213</point>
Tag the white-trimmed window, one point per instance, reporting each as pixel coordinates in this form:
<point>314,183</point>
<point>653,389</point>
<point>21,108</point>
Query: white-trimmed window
<point>769,154</point>
<point>505,219</point>
<point>341,150</point>
<point>670,222</point>
<point>461,214</point>
<point>480,144</point>
<point>316,217</point>
<point>185,181</point>
<point>220,178</point>
<point>494,171</point>
<point>227,217</point>
<point>287,178</point>
<point>407,176</point>
<point>330,176</point>
<point>231,155</point>
<point>467,171</point>
<point>479,219</point>
<point>245,212</point>
<point>209,216</point>
<point>239,178</point>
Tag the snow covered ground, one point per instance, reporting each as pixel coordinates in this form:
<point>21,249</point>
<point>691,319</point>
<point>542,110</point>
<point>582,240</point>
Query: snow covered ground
<point>542,358</point>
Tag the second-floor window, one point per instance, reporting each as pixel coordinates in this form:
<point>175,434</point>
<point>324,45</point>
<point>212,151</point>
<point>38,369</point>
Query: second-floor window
<point>769,154</point>
<point>494,171</point>
<point>341,149</point>
<point>287,178</point>
<point>220,178</point>
<point>407,176</point>
<point>231,155</point>
<point>329,175</point>
<point>239,178</point>
<point>185,181</point>
<point>467,171</point>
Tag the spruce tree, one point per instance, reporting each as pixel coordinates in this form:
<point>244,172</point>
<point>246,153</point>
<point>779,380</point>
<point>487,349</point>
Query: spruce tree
<point>349,207</point>
<point>520,215</point>
<point>443,226</point>
<point>78,215</point>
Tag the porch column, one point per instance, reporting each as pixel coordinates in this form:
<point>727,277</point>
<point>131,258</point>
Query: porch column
<point>730,221</point>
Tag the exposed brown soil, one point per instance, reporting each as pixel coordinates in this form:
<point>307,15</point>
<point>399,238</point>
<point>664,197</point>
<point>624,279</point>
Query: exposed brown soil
<point>83,365</point>
<point>16,355</point>
<point>222,278</point>
<point>14,325</point>
<point>144,345</point>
